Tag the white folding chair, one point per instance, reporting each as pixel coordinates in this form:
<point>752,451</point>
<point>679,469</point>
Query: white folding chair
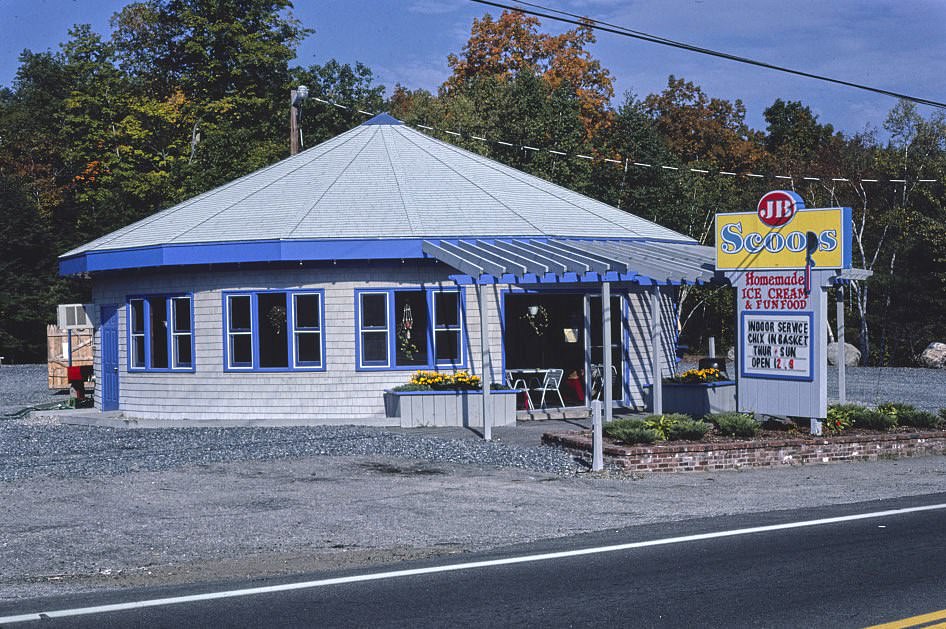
<point>513,383</point>
<point>597,380</point>
<point>550,384</point>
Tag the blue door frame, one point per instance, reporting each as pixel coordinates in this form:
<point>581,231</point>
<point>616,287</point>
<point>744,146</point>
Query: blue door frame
<point>109,380</point>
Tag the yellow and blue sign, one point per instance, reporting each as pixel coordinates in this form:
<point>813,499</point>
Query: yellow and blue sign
<point>776,236</point>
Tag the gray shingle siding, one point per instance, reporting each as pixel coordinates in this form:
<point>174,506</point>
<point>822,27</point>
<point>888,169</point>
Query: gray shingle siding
<point>340,393</point>
<point>211,393</point>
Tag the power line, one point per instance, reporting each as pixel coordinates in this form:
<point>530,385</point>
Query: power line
<point>626,162</point>
<point>581,20</point>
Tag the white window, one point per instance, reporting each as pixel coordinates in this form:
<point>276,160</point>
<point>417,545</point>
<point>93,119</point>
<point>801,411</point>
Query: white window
<point>182,342</point>
<point>275,331</point>
<point>405,328</point>
<point>447,326</point>
<point>160,333</point>
<point>307,329</point>
<point>239,331</point>
<point>374,328</point>
<point>137,333</point>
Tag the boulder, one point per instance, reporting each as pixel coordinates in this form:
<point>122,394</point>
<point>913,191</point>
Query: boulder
<point>852,355</point>
<point>934,356</point>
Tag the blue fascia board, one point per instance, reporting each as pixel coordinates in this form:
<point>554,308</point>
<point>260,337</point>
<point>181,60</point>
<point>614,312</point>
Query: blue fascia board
<point>275,250</point>
<point>462,280</point>
<point>242,252</point>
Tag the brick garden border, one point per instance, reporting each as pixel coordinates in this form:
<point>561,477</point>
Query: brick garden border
<point>702,457</point>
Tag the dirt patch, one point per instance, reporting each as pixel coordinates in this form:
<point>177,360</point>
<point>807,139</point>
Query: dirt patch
<point>403,470</point>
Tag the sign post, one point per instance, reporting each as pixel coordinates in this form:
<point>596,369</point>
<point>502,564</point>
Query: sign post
<point>780,259</point>
<point>842,349</point>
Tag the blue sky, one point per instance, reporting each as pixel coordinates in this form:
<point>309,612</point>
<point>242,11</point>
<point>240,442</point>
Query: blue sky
<point>896,45</point>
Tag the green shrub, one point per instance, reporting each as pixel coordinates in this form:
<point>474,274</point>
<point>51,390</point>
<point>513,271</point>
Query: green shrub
<point>688,430</point>
<point>663,424</point>
<point>894,409</point>
<point>942,413</point>
<point>841,417</point>
<point>630,431</point>
<point>874,419</point>
<point>620,425</point>
<point>919,419</point>
<point>735,424</point>
<point>631,436</point>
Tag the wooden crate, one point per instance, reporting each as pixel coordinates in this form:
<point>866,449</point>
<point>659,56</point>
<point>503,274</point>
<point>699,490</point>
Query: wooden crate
<point>57,354</point>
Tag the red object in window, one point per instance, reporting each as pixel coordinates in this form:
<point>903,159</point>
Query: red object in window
<point>74,373</point>
<point>573,388</point>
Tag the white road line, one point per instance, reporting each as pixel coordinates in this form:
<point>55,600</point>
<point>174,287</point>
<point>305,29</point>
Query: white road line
<point>394,574</point>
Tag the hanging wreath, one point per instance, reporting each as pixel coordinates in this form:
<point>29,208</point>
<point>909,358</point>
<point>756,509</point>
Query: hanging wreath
<point>538,320</point>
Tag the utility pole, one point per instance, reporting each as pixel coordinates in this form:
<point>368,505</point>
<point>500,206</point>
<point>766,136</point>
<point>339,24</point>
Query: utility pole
<point>296,96</point>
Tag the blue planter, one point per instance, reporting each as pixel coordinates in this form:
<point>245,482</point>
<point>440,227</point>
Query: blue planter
<point>698,399</point>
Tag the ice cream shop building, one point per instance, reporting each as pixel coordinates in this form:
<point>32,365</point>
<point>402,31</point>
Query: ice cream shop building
<point>305,290</point>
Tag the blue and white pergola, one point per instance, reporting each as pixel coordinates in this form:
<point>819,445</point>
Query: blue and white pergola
<point>554,261</point>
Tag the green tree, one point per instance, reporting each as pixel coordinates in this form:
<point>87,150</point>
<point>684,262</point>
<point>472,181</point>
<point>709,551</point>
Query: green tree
<point>341,83</point>
<point>185,95</point>
<point>230,61</point>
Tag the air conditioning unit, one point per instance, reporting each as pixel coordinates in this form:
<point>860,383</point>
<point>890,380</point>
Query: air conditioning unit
<point>74,316</point>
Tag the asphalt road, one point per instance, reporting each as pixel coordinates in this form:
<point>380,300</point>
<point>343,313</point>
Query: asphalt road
<point>847,573</point>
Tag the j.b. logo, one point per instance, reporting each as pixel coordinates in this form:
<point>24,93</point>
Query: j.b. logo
<point>778,207</point>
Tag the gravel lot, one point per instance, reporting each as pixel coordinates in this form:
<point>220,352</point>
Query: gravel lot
<point>924,388</point>
<point>91,508</point>
<point>25,385</point>
<point>28,449</point>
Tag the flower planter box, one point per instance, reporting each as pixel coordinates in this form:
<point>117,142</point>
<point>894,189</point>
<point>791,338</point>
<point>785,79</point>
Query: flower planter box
<point>697,399</point>
<point>449,408</point>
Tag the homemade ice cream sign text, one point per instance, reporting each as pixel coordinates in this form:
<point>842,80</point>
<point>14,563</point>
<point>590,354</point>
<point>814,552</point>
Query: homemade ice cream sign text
<point>776,235</point>
<point>775,290</point>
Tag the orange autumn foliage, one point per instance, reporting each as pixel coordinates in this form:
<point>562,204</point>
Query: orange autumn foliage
<point>512,44</point>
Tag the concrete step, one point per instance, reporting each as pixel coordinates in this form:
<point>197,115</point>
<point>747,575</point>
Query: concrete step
<point>569,412</point>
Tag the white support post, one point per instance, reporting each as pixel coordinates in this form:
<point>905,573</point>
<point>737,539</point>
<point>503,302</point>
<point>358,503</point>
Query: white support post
<point>657,407</point>
<point>607,380</point>
<point>487,375</point>
<point>589,380</point>
<point>597,448</point>
<point>842,353</point>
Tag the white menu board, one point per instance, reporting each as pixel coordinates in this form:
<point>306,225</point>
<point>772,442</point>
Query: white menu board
<point>777,345</point>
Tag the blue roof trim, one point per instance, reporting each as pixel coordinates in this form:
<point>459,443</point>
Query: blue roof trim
<point>382,118</point>
<point>240,252</point>
<point>267,251</point>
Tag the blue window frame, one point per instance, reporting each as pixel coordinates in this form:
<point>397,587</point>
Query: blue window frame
<point>274,330</point>
<point>409,328</point>
<point>160,333</point>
